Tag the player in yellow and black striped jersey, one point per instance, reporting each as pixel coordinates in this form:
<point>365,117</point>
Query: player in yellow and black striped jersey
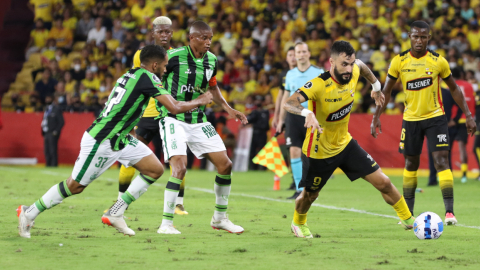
<point>420,71</point>
<point>328,144</point>
<point>148,127</point>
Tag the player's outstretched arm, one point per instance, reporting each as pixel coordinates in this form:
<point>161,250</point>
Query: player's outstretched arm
<point>294,105</point>
<point>218,98</point>
<point>376,94</point>
<point>282,113</point>
<point>176,107</point>
<point>462,103</point>
<point>387,91</point>
<point>278,105</point>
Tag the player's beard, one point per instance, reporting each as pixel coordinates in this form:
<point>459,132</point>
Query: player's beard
<point>340,78</point>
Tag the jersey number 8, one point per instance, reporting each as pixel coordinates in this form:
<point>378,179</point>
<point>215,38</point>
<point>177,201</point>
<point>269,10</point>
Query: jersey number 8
<point>114,99</point>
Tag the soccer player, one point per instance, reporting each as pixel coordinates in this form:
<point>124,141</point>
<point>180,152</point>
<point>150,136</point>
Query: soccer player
<point>420,70</point>
<point>192,70</point>
<point>147,128</point>
<point>328,144</point>
<point>295,130</point>
<point>107,141</point>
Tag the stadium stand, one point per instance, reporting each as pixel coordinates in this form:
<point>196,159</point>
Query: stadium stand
<point>91,43</point>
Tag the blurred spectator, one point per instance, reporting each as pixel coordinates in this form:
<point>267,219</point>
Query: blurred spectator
<point>52,125</point>
<point>90,82</point>
<point>34,104</point>
<point>61,95</point>
<point>259,119</point>
<point>43,9</point>
<point>63,36</point>
<point>228,41</point>
<point>131,42</point>
<point>18,105</point>
<point>112,44</point>
<point>38,38</point>
<point>70,83</point>
<point>83,5</point>
<point>69,22</point>
<point>46,86</point>
<point>459,42</point>
<point>77,72</point>
<point>470,62</point>
<point>365,53</point>
<point>48,52</point>
<point>230,75</point>
<point>95,106</point>
<point>118,32</point>
<point>141,12</point>
<point>76,105</point>
<point>56,73</point>
<point>128,22</point>
<point>84,25</point>
<point>97,33</point>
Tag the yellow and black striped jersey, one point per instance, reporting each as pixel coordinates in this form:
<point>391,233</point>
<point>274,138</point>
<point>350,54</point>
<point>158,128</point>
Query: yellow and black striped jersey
<point>331,103</point>
<point>421,82</point>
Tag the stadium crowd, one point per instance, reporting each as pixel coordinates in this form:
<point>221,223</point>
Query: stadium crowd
<point>78,48</point>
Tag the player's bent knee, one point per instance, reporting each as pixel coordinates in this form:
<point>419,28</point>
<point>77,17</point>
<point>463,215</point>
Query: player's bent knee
<point>74,186</point>
<point>225,167</point>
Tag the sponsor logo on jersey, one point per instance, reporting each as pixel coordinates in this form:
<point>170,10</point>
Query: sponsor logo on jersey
<point>333,99</point>
<point>190,88</point>
<point>209,73</point>
<point>183,63</point>
<point>442,137</point>
<point>418,64</point>
<point>159,85</point>
<point>409,70</point>
<point>330,83</point>
<point>341,113</point>
<point>188,71</point>
<point>130,75</point>
<point>419,84</point>
<point>308,85</point>
<point>175,50</point>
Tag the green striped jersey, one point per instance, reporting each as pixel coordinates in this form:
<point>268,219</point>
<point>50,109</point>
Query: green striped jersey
<point>125,106</point>
<point>187,78</point>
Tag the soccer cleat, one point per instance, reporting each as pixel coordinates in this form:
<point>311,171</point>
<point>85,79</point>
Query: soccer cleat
<point>450,219</point>
<point>118,222</point>
<point>168,229</point>
<point>301,231</point>
<point>24,224</point>
<point>464,179</point>
<point>226,225</point>
<point>295,195</point>
<point>180,210</point>
<point>407,224</point>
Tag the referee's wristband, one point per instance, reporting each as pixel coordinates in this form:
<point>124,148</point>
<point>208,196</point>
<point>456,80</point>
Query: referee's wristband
<point>305,112</point>
<point>376,86</point>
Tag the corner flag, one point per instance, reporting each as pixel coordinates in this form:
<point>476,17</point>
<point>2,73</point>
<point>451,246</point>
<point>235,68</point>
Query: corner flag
<point>271,157</point>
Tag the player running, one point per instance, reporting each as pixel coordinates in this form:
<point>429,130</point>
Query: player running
<point>191,70</point>
<point>295,129</point>
<point>328,144</point>
<point>147,127</point>
<point>420,70</point>
<point>107,141</point>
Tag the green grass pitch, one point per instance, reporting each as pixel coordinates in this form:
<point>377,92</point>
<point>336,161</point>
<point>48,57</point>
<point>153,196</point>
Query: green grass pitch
<point>345,238</point>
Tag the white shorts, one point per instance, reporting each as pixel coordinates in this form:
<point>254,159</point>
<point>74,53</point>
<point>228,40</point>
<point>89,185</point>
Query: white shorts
<point>95,158</point>
<point>201,138</point>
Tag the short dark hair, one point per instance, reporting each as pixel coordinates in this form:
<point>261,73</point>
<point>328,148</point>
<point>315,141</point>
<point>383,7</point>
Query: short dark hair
<point>421,25</point>
<point>291,48</point>
<point>457,73</point>
<point>342,46</point>
<point>200,26</point>
<point>152,52</point>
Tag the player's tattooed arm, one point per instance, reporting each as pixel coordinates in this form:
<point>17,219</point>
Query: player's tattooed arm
<point>365,71</point>
<point>459,98</point>
<point>294,104</point>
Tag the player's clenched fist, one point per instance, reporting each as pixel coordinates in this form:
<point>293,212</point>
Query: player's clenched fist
<point>206,98</point>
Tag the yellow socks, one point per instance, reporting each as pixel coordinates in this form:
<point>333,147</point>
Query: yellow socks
<point>464,168</point>
<point>402,209</point>
<point>299,219</point>
<point>445,179</point>
<point>409,187</point>
<point>125,178</point>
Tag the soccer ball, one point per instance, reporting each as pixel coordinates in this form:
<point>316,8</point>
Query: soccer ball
<point>427,226</point>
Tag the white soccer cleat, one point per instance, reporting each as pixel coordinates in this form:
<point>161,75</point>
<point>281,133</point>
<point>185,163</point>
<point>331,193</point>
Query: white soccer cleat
<point>118,222</point>
<point>24,224</point>
<point>450,219</point>
<point>226,225</point>
<point>168,229</point>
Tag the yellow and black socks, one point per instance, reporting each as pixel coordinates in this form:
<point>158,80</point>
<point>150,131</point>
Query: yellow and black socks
<point>124,179</point>
<point>222,191</point>
<point>54,196</point>
<point>464,168</point>
<point>409,187</point>
<point>171,193</point>
<point>299,219</point>
<point>402,209</point>
<point>446,185</point>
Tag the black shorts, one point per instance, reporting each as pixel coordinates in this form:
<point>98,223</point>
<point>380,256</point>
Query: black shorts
<point>147,127</point>
<point>462,134</point>
<point>413,133</point>
<point>353,161</point>
<point>295,130</point>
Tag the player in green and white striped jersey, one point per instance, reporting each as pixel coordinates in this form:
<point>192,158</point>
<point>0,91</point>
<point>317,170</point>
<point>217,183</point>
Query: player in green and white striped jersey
<point>191,71</point>
<point>107,141</point>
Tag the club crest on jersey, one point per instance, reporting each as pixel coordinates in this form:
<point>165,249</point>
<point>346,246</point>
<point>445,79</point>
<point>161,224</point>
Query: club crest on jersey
<point>155,78</point>
<point>428,72</point>
<point>341,113</point>
<point>419,84</point>
<point>308,85</point>
<point>209,73</point>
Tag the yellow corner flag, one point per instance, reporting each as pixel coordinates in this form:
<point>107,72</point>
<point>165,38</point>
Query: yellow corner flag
<point>271,157</point>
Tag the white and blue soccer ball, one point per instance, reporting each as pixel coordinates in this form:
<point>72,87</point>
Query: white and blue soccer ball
<point>427,226</point>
